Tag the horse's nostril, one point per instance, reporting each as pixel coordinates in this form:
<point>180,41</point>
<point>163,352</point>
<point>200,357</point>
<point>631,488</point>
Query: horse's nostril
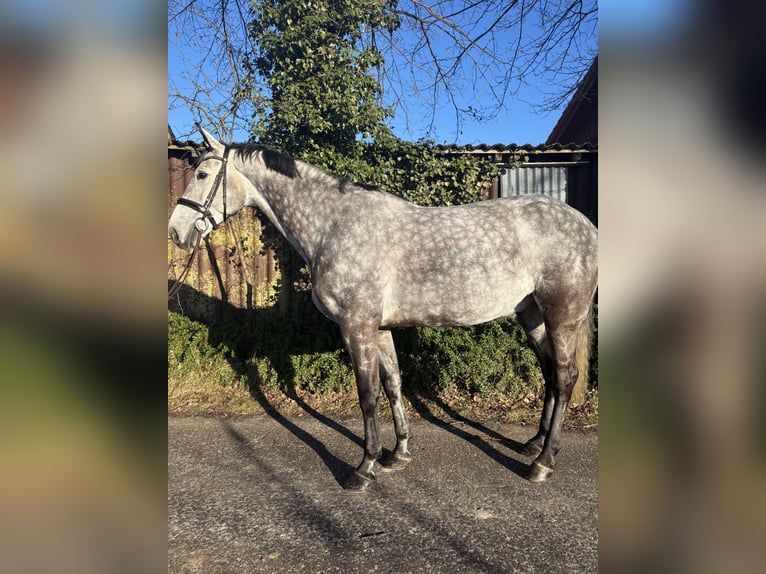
<point>174,235</point>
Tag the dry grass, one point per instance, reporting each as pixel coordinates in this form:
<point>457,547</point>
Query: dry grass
<point>201,396</point>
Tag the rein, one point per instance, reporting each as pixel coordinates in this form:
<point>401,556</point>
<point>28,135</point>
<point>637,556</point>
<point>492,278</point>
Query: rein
<point>204,209</point>
<point>180,281</point>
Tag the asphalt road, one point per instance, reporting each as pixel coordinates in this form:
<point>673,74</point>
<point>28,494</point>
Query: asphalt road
<point>262,494</point>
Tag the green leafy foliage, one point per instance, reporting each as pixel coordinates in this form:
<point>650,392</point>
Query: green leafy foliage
<point>323,372</point>
<point>484,360</point>
<point>191,352</point>
<point>323,90</point>
<point>416,171</point>
<point>321,65</point>
<point>264,349</point>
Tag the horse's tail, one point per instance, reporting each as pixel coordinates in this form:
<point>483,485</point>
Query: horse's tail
<point>582,357</point>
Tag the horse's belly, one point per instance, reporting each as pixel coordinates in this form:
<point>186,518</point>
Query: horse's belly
<point>439,305</point>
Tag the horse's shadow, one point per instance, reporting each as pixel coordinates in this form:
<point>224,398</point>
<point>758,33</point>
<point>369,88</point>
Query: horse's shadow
<point>235,328</point>
<point>340,469</point>
<point>425,407</point>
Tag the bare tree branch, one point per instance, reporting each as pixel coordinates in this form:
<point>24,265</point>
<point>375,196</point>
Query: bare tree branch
<point>444,52</point>
<point>486,51</point>
<point>210,37</point>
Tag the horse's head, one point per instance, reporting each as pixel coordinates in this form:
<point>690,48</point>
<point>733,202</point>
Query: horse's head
<point>215,192</point>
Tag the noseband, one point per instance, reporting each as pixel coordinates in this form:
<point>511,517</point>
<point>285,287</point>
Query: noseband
<point>204,208</point>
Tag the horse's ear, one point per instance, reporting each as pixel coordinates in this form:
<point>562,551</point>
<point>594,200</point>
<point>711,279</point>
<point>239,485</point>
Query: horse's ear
<point>210,140</point>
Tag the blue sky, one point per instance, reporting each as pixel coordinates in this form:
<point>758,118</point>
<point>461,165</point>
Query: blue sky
<point>519,121</point>
<point>516,123</point>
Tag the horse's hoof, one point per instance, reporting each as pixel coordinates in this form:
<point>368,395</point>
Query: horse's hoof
<point>358,482</point>
<point>538,472</point>
<point>531,449</point>
<point>393,461</point>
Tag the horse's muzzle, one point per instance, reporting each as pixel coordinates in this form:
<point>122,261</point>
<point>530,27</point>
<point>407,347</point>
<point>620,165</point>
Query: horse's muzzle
<point>175,237</point>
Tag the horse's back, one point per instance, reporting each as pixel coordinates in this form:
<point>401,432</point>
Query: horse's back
<point>469,264</point>
<point>532,234</point>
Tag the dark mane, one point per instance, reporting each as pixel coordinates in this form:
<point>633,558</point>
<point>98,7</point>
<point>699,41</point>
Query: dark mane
<point>274,159</point>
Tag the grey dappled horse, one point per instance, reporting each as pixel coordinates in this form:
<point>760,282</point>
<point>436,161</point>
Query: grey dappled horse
<point>378,261</point>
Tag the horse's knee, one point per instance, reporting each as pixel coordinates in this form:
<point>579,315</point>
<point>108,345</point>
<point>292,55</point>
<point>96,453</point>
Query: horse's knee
<point>369,404</point>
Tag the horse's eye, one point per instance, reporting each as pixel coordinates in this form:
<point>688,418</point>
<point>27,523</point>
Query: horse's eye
<point>201,175</point>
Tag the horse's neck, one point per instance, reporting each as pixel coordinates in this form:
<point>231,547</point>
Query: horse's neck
<point>298,208</point>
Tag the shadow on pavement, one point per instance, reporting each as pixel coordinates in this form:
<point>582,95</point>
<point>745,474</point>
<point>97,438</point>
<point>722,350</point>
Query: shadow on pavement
<point>479,441</point>
<point>339,469</point>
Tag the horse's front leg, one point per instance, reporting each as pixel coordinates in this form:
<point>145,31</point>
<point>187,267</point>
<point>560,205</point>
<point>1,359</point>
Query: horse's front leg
<point>362,345</point>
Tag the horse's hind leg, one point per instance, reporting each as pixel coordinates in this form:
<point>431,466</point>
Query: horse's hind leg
<point>392,384</point>
<point>532,321</point>
<point>563,338</point>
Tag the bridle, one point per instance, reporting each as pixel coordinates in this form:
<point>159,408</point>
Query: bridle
<point>204,210</point>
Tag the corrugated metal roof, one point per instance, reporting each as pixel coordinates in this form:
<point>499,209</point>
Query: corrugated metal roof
<point>195,147</point>
<point>513,148</point>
